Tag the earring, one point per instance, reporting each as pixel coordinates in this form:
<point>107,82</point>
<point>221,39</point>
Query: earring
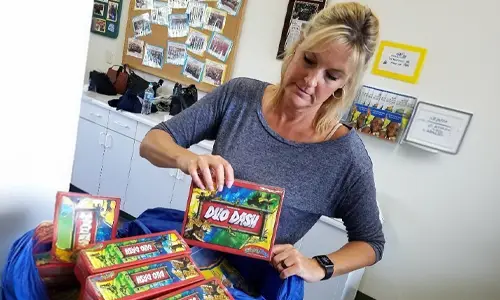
<point>341,96</point>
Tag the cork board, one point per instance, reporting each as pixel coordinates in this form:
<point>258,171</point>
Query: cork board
<point>209,56</point>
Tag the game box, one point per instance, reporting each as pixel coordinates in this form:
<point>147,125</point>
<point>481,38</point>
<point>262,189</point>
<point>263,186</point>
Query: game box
<point>81,220</point>
<point>211,289</point>
<point>131,251</point>
<point>144,281</point>
<point>241,220</point>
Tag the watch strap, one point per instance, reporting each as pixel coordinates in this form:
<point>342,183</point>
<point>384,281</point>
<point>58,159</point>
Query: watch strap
<point>326,264</point>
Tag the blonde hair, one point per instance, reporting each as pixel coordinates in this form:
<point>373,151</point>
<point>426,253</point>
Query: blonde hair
<point>350,24</point>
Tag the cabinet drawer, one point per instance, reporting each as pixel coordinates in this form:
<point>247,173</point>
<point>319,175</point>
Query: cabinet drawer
<point>122,124</point>
<point>142,130</point>
<point>94,113</point>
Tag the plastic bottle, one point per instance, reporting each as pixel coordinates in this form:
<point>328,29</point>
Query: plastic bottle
<point>149,95</point>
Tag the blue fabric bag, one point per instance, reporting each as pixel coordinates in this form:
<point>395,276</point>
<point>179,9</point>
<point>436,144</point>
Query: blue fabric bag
<point>20,279</point>
<point>258,273</point>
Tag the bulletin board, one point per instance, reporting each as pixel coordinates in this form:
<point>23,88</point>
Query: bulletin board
<point>184,41</point>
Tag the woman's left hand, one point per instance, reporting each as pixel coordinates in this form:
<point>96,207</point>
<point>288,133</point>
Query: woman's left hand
<point>289,261</point>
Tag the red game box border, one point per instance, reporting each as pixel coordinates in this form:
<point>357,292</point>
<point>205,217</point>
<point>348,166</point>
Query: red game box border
<point>245,184</point>
<point>89,291</point>
<point>84,268</point>
<point>195,285</point>
<point>59,196</point>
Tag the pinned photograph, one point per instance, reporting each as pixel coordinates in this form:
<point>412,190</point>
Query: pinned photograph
<point>135,47</point>
<point>215,19</point>
<point>304,11</point>
<point>219,46</point>
<point>141,25</point>
<point>176,53</point>
<point>214,73</point>
<point>196,12</point>
<point>178,25</point>
<point>160,13</point>
<point>196,42</point>
<point>231,6</point>
<point>193,68</point>
<point>98,9</point>
<point>153,56</point>
<point>178,3</point>
<point>99,25</point>
<point>112,11</point>
<point>111,27</point>
<point>143,4</point>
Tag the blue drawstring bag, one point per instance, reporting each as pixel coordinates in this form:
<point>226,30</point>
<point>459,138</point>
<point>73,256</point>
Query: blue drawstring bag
<point>20,278</point>
<point>260,274</point>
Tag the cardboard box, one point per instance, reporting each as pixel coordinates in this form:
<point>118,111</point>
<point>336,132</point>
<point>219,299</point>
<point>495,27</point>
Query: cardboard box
<point>241,220</point>
<point>127,252</point>
<point>81,220</point>
<point>144,281</point>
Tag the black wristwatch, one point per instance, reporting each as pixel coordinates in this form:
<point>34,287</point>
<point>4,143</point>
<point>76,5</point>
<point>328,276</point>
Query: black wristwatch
<point>326,264</point>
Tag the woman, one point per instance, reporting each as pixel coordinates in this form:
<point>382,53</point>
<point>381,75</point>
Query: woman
<point>290,135</point>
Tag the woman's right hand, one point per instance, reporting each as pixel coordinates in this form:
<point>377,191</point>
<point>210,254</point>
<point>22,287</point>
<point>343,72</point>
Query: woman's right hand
<point>205,168</point>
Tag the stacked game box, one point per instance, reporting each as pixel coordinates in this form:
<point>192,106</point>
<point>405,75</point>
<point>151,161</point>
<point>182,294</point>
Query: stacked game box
<point>143,282</point>
<point>127,252</point>
<point>81,220</point>
<point>211,289</point>
<point>241,220</point>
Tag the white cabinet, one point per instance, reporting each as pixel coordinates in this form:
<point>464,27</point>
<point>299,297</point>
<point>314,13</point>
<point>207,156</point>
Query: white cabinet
<point>183,183</point>
<point>116,164</point>
<point>89,154</point>
<point>148,185</point>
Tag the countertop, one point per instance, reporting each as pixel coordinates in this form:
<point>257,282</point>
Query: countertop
<point>149,120</point>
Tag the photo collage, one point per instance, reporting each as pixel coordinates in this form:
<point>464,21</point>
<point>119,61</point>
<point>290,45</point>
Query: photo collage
<point>106,17</point>
<point>195,39</point>
<point>381,113</point>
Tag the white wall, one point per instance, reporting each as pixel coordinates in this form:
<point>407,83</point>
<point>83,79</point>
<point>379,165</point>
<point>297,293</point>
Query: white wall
<point>441,225</point>
<point>41,91</point>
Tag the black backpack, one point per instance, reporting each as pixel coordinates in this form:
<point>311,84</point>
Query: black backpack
<point>182,98</point>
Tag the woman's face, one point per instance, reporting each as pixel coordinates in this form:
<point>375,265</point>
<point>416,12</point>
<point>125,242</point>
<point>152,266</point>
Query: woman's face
<point>311,78</point>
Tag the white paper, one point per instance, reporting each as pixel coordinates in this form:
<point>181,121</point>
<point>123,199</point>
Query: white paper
<point>178,25</point>
<point>397,60</point>
<point>220,46</point>
<point>135,47</point>
<point>438,128</point>
<point>193,68</point>
<point>153,56</point>
<point>197,42</point>
<point>176,53</point>
<point>196,12</point>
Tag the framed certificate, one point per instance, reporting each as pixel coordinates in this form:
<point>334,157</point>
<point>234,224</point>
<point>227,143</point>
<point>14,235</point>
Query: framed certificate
<point>437,127</point>
<point>399,61</point>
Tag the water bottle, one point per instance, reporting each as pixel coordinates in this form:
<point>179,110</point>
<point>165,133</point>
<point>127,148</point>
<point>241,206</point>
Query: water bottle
<point>149,95</point>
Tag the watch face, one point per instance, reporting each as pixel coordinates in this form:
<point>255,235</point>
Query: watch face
<point>325,260</point>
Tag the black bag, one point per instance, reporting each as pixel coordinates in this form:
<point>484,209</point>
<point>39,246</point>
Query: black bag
<point>137,85</point>
<point>182,98</point>
<point>100,83</point>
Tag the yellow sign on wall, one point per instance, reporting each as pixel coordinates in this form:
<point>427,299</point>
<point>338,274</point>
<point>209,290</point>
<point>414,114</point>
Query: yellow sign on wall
<point>399,61</point>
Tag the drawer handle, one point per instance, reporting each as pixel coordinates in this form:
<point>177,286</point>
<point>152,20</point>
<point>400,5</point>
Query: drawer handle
<point>121,124</point>
<point>96,115</point>
<point>106,145</point>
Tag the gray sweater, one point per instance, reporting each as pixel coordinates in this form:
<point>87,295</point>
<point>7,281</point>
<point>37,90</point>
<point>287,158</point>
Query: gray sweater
<point>332,178</point>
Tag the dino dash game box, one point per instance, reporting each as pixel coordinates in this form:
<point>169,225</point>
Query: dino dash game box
<point>131,251</point>
<point>206,290</point>
<point>144,281</point>
<point>81,220</point>
<point>241,220</point>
